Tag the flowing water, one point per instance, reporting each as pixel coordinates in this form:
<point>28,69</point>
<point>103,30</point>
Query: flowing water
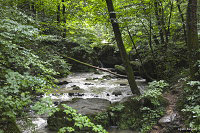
<point>90,85</point>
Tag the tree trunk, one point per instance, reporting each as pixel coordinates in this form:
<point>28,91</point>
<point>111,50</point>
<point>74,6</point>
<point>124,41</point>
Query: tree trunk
<point>33,9</point>
<point>192,37</point>
<point>150,45</point>
<point>58,13</point>
<point>64,19</point>
<point>183,21</point>
<point>159,21</point>
<point>169,22</point>
<point>140,59</point>
<point>118,37</point>
<point>95,67</point>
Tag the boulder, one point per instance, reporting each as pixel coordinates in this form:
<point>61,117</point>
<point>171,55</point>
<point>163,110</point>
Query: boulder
<point>123,84</point>
<point>89,107</point>
<point>109,57</point>
<point>150,69</point>
<point>75,94</point>
<point>169,118</point>
<point>75,87</point>
<point>88,84</point>
<point>120,69</point>
<point>62,83</point>
<point>136,65</point>
<point>107,77</point>
<point>117,93</point>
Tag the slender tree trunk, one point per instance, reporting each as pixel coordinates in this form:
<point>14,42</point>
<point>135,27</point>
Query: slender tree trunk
<point>140,59</point>
<point>150,40</point>
<point>64,19</point>
<point>161,10</point>
<point>151,47</point>
<point>192,37</point>
<point>58,13</point>
<point>183,21</point>
<point>118,37</point>
<point>151,27</point>
<point>169,23</point>
<point>159,21</point>
<point>154,36</point>
<point>33,9</point>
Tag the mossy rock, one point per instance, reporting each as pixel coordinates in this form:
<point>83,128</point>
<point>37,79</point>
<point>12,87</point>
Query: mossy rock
<point>120,69</point>
<point>58,120</point>
<point>136,65</point>
<point>109,57</point>
<point>89,107</point>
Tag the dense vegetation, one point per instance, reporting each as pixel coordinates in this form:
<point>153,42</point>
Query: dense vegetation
<point>37,36</point>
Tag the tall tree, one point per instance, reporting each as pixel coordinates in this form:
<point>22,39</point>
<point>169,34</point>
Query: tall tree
<point>64,19</point>
<point>182,19</point>
<point>159,16</point>
<point>58,13</point>
<point>169,22</point>
<point>192,37</point>
<point>118,37</point>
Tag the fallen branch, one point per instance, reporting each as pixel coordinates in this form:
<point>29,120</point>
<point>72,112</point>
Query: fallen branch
<point>95,67</point>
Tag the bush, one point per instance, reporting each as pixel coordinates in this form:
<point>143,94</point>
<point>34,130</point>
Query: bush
<point>190,105</point>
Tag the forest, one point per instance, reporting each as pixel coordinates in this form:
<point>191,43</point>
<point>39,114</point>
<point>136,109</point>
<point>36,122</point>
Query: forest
<point>99,66</point>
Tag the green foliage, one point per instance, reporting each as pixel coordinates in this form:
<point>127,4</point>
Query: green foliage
<point>154,92</point>
<point>30,50</point>
<point>141,112</point>
<point>194,116</point>
<point>190,105</point>
<point>45,106</point>
<point>117,108</point>
<point>81,123</point>
<point>150,114</point>
<point>25,71</point>
<point>102,119</point>
<point>150,117</point>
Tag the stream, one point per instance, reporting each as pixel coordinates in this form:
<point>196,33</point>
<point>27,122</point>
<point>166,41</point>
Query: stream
<point>94,90</point>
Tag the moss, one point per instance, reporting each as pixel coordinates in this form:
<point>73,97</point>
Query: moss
<point>135,64</point>
<point>120,69</point>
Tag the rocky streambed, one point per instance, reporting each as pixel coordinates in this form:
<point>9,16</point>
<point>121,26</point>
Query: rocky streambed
<point>90,93</point>
<point>92,85</point>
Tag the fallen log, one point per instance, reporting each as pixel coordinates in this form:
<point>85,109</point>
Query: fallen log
<point>95,67</point>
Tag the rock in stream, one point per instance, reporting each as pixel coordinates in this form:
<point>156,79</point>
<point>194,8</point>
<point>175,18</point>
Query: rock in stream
<point>89,106</point>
